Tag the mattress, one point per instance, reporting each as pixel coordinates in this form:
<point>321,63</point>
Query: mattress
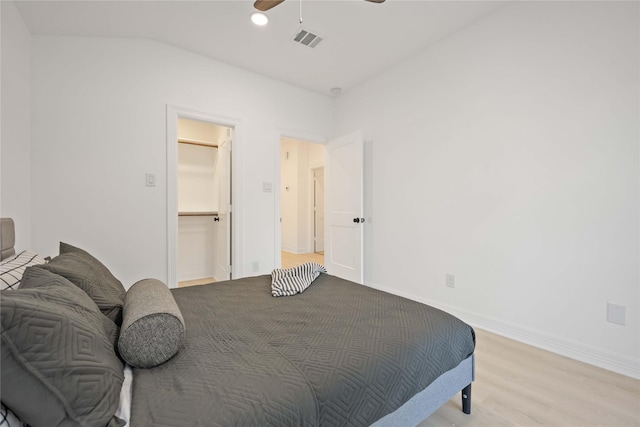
<point>339,354</point>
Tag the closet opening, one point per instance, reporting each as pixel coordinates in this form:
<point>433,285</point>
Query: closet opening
<point>204,201</point>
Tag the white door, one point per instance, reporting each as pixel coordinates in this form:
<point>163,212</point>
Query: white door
<point>318,209</point>
<point>344,207</point>
<point>223,232</point>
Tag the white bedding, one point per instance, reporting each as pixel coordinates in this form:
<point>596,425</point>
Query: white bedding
<point>124,408</point>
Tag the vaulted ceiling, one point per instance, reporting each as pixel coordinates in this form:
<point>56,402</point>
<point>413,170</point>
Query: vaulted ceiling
<point>360,39</point>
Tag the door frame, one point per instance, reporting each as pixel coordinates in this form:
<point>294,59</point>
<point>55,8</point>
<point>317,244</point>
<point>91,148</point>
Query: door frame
<point>313,206</point>
<point>173,113</point>
<point>277,193</point>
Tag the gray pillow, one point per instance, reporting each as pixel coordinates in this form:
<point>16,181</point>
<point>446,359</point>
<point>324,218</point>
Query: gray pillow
<point>90,275</point>
<point>36,276</point>
<point>152,326</point>
<point>59,366</point>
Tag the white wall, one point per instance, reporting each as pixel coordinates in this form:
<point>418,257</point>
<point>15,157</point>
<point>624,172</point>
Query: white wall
<point>289,195</point>
<point>99,124</point>
<point>508,155</point>
<point>315,159</point>
<point>15,134</point>
<point>197,191</point>
<point>197,237</point>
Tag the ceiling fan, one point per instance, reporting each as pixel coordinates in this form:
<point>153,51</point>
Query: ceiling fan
<point>264,5</point>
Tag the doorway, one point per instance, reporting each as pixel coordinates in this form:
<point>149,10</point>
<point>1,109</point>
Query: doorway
<point>302,202</point>
<point>210,223</point>
<point>203,197</point>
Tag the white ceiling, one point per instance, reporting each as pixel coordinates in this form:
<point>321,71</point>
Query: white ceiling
<point>361,39</point>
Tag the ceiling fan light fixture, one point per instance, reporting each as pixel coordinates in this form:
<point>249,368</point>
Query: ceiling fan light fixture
<point>260,19</point>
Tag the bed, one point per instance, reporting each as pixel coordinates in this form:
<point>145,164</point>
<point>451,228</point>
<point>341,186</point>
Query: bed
<point>337,354</point>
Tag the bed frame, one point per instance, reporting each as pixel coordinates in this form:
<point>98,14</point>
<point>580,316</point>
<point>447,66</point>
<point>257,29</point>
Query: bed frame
<point>414,411</point>
<point>425,403</point>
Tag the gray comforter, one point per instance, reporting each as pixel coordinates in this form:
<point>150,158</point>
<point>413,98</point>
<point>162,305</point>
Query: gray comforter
<point>339,354</point>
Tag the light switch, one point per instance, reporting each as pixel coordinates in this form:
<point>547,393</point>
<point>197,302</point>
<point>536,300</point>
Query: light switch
<point>267,187</point>
<point>151,180</point>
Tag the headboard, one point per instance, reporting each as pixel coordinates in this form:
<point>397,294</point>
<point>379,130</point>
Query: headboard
<point>7,238</point>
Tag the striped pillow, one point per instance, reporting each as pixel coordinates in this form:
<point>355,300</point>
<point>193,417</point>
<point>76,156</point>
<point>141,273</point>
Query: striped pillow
<point>290,281</point>
<point>12,269</point>
<point>8,418</point>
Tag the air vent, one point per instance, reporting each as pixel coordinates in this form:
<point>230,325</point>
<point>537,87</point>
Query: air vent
<point>307,38</point>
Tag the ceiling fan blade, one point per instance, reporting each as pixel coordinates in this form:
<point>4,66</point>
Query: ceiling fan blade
<point>376,1</point>
<point>264,5</point>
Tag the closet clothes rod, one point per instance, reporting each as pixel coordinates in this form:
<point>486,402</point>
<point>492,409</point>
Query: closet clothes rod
<point>197,213</point>
<point>196,142</point>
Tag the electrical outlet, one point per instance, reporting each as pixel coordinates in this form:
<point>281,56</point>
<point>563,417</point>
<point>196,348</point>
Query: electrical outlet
<point>255,266</point>
<point>451,281</point>
<point>616,314</point>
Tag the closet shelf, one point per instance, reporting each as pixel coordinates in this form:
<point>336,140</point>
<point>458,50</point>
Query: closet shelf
<point>197,213</point>
<point>197,142</point>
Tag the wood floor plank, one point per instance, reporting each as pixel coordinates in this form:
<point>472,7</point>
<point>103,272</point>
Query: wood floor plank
<point>520,385</point>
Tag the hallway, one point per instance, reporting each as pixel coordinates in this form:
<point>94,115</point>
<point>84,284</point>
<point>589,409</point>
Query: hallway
<point>291,260</point>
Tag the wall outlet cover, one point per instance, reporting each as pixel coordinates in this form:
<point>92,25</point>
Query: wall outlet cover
<point>451,281</point>
<point>616,314</point>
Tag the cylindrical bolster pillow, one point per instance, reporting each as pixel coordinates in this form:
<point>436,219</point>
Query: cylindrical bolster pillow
<point>152,325</point>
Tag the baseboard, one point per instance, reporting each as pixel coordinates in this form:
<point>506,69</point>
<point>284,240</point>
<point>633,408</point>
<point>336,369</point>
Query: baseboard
<point>291,250</point>
<point>195,276</point>
<point>610,361</point>
<point>296,251</point>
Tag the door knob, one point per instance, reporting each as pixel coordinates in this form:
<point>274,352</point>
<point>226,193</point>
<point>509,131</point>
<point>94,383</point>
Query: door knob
<point>356,220</point>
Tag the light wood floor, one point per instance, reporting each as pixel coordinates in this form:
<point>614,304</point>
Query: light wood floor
<point>291,260</point>
<point>520,385</point>
<point>196,282</point>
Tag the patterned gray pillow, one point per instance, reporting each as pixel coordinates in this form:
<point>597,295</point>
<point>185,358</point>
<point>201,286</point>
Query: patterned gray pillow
<point>59,366</point>
<point>36,276</point>
<point>90,275</point>
<point>153,326</point>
